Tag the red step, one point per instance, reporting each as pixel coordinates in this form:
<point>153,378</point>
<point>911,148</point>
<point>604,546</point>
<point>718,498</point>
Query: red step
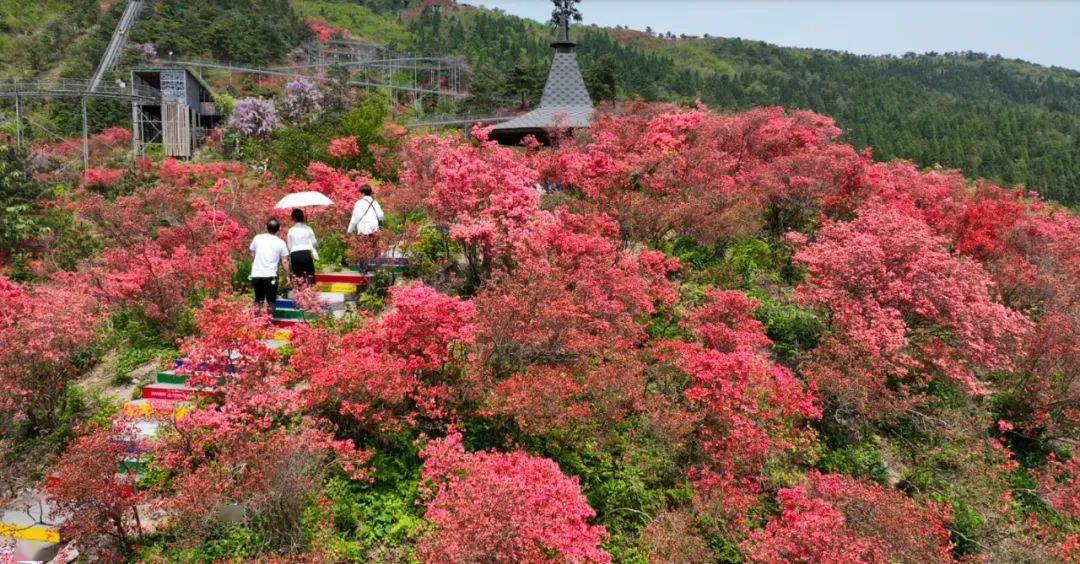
<point>340,278</point>
<point>171,392</point>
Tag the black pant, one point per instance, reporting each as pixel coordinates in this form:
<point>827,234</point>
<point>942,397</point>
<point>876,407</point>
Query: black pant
<point>303,265</point>
<point>265,291</point>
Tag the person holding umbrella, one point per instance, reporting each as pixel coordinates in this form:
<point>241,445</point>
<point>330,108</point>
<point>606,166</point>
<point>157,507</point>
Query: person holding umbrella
<point>302,251</point>
<point>301,238</point>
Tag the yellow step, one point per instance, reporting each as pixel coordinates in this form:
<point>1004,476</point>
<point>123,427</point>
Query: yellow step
<point>342,287</point>
<point>29,532</point>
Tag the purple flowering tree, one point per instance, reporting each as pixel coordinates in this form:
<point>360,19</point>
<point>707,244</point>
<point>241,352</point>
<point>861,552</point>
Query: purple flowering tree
<point>253,117</point>
<point>302,98</point>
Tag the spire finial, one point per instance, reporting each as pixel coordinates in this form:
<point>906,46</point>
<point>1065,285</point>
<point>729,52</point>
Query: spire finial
<point>564,12</point>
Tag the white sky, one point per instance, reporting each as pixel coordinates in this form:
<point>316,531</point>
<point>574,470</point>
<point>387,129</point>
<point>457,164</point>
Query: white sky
<point>1041,31</point>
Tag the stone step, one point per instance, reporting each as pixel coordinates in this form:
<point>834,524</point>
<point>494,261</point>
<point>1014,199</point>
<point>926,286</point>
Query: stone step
<point>172,392</point>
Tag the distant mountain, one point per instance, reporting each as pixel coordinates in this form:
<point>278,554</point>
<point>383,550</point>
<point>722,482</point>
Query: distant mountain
<point>1007,120</point>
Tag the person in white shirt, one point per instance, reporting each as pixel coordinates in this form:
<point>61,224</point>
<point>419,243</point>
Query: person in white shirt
<point>367,217</point>
<point>367,214</point>
<point>302,252</point>
<point>267,250</point>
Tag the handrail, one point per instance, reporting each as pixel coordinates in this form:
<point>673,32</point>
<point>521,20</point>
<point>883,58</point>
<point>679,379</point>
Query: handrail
<point>75,88</point>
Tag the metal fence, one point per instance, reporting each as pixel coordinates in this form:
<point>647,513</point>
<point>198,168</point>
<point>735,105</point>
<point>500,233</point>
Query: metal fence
<point>75,88</point>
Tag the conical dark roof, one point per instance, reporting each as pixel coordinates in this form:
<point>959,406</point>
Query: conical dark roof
<point>565,102</point>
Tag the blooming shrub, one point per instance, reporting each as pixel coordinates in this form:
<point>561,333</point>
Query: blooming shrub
<point>253,117</point>
<point>302,98</point>
<point>102,177</point>
<point>401,369</point>
<point>344,147</point>
<point>101,514</point>
<point>497,507</point>
<point>839,519</point>
<point>43,329</point>
<point>892,287</point>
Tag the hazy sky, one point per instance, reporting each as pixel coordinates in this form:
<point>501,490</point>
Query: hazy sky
<point>1042,31</point>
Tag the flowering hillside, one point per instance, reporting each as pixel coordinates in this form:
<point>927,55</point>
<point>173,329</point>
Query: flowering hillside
<point>680,335</point>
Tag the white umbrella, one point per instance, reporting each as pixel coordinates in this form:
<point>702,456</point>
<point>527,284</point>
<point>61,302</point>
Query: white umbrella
<point>303,200</point>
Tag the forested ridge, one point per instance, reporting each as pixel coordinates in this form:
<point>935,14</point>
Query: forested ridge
<point>1006,120</point>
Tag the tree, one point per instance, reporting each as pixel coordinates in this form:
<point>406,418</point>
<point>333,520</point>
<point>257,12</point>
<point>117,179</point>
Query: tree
<point>526,81</point>
<point>499,507</point>
<point>100,505</point>
<point>602,79</point>
<point>662,171</point>
<point>404,369</point>
<point>18,194</point>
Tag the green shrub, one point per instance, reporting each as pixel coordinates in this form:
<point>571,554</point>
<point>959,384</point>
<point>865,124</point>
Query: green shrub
<point>792,329</point>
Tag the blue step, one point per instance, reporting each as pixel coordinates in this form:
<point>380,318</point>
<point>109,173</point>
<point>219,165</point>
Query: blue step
<point>288,304</point>
<point>229,368</point>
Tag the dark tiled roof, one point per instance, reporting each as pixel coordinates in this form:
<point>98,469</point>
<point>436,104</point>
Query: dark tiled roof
<point>565,102</point>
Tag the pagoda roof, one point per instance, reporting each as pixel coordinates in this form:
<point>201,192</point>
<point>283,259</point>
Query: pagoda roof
<point>565,102</point>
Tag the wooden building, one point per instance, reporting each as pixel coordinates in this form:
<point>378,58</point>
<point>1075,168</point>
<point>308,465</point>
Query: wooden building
<point>182,116</point>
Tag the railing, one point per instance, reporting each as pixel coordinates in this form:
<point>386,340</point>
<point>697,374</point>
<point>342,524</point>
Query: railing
<point>116,44</point>
<point>75,88</point>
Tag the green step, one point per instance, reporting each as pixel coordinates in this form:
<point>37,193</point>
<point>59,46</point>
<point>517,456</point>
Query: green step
<point>171,377</point>
<point>284,313</point>
<point>132,466</point>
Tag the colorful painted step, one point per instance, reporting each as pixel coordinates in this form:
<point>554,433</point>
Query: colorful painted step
<point>274,344</point>
<point>282,335</point>
<point>35,533</point>
<point>227,368</point>
<point>326,305</point>
<point>346,277</point>
<point>172,392</point>
<point>342,287</point>
<point>155,409</point>
<point>132,466</point>
<point>286,323</point>
<point>30,536</point>
<point>289,313</point>
<point>171,377</point>
<point>389,261</point>
<point>332,297</point>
